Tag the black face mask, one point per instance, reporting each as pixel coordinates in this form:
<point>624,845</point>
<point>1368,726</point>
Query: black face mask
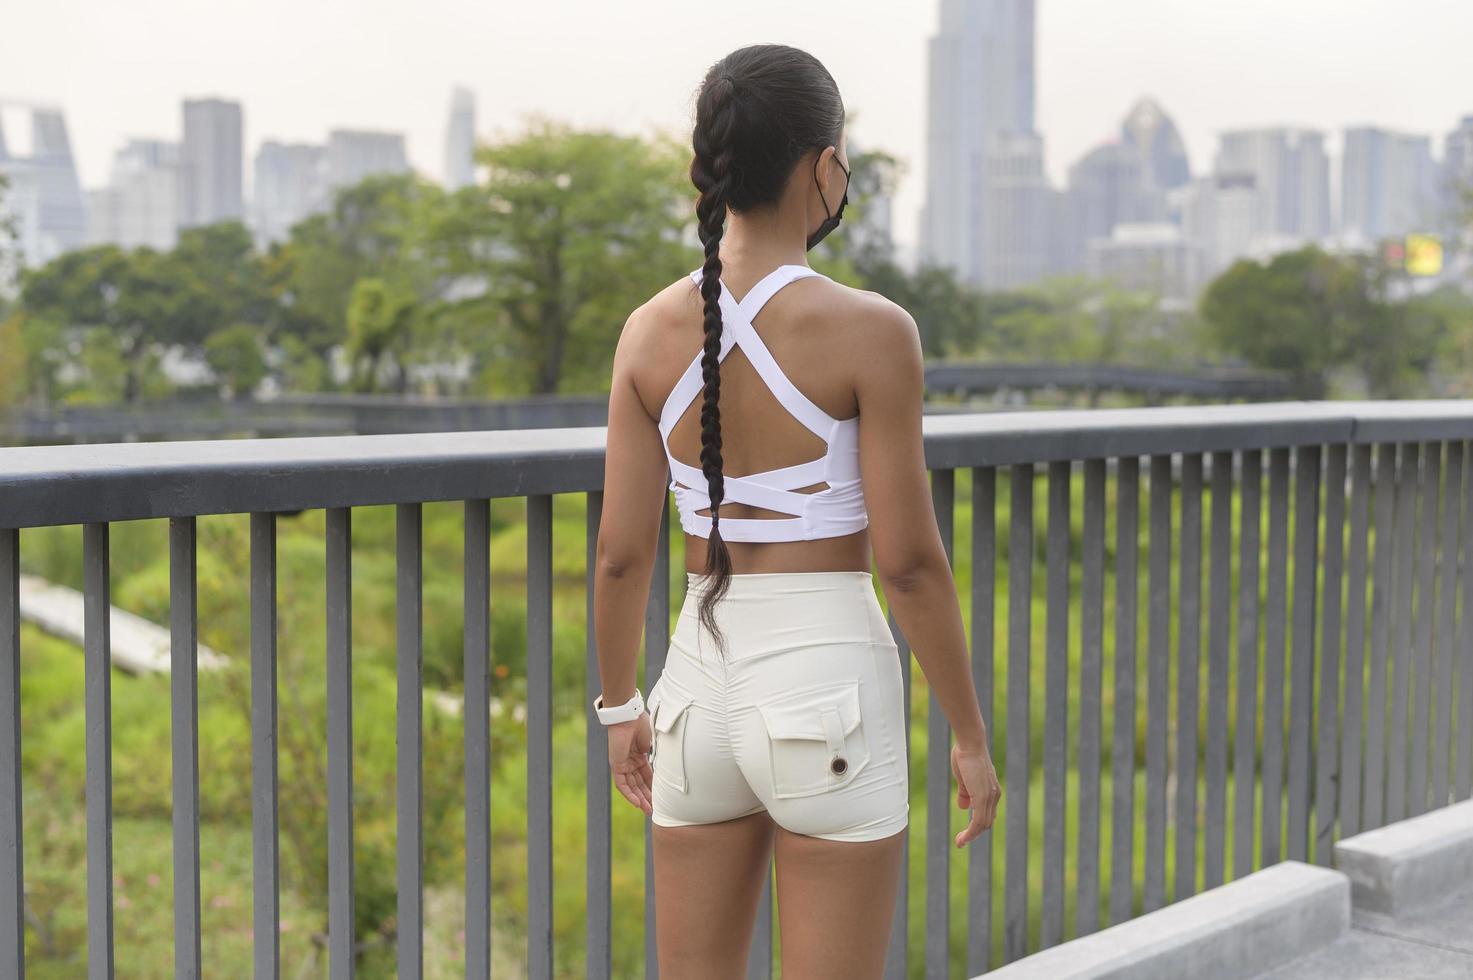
<point>831,221</point>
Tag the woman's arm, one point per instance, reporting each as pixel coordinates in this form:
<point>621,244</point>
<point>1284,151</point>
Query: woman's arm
<point>635,473</point>
<point>909,553</point>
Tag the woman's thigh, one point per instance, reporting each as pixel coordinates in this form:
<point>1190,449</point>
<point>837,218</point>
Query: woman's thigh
<point>836,904</point>
<point>708,881</point>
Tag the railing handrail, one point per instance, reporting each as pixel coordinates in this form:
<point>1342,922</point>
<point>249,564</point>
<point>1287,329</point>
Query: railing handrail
<point>76,484</point>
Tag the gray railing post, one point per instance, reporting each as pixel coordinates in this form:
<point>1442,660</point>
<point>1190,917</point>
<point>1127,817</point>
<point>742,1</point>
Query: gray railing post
<point>184,736</point>
<point>1020,656</point>
<point>476,734</point>
<point>12,851</point>
<point>340,877</point>
<point>409,726</point>
<point>265,811</point>
<point>97,597</point>
<point>984,618</point>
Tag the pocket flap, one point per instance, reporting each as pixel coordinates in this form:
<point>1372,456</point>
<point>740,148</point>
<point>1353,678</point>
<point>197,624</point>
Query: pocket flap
<point>666,705</point>
<point>800,714</point>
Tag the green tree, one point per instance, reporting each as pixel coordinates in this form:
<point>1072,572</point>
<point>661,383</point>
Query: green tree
<point>235,356</point>
<point>224,257</point>
<point>569,232</point>
<point>1302,313</point>
<point>8,237</point>
<point>142,298</point>
<point>14,363</point>
<point>374,229</point>
<point>381,320</point>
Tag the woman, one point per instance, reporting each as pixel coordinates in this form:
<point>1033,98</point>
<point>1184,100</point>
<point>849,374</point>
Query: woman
<point>787,408</point>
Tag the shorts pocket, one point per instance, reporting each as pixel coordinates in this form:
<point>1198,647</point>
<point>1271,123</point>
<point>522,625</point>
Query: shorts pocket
<point>816,739</point>
<point>668,707</point>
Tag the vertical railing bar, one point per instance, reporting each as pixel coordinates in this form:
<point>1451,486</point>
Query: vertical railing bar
<point>938,771</point>
<point>1214,845</point>
<point>1122,748</point>
<point>656,647</point>
<point>409,723</point>
<point>1373,781</point>
<point>598,815</point>
<point>1423,622</point>
<point>1189,638</point>
<point>476,733</point>
<point>1158,655</point>
<point>1246,699</point>
<point>759,961</point>
<point>1447,544</point>
<point>340,877</point>
<point>656,631</point>
<point>1091,656</point>
<point>1355,645</point>
<point>184,742</point>
<point>1274,647</point>
<point>1408,476</point>
<point>1463,779</point>
<point>984,612</point>
<point>1328,768</point>
<point>265,806</point>
<point>539,737</point>
<point>12,848</point>
<point>1301,680</point>
<point>897,952</point>
<point>1020,603</point>
<point>1056,704</point>
<point>97,643</point>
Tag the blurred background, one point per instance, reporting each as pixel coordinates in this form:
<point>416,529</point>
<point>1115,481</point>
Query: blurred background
<point>234,220</point>
<point>1146,201</point>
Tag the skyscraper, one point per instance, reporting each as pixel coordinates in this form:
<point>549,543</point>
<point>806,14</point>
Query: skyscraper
<point>1455,183</point>
<point>44,196</point>
<point>1124,181</point>
<point>460,140</point>
<point>211,158</point>
<point>291,183</point>
<point>353,154</point>
<point>140,204</point>
<point>1019,211</point>
<point>1220,216</point>
<point>981,84</point>
<point>1388,184</point>
<point>1291,178</point>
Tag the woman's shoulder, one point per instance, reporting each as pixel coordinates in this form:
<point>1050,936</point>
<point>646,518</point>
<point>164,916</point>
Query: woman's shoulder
<point>869,317</point>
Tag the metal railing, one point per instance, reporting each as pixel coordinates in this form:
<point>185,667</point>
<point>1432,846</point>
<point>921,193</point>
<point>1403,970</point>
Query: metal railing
<point>1358,594</point>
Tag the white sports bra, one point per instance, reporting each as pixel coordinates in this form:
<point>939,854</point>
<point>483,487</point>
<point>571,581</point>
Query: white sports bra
<point>837,509</point>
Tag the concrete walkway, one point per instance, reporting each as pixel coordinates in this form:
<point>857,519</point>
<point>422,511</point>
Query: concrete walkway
<point>1435,943</point>
<point>138,645</point>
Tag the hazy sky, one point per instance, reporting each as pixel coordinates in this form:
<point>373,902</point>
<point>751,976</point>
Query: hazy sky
<point>119,69</point>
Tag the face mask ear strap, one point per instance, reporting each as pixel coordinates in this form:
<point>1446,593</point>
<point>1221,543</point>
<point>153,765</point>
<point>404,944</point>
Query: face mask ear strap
<point>820,189</point>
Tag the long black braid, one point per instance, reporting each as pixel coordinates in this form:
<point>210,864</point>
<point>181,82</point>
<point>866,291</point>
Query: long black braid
<point>759,110</point>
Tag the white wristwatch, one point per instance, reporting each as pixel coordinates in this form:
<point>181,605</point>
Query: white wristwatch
<point>628,711</point>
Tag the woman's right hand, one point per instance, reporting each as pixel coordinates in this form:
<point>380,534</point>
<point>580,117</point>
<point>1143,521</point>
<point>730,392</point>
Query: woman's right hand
<point>977,790</point>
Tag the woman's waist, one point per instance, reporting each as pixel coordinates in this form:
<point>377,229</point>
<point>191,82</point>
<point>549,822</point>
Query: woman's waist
<point>762,613</point>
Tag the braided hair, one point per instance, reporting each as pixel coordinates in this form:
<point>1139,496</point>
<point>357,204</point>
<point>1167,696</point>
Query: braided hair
<point>759,110</point>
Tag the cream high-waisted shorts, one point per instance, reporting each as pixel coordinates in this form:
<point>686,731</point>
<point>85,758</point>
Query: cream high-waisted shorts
<point>802,716</point>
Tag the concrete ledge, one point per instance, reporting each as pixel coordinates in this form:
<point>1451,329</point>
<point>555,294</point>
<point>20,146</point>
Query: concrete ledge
<point>1410,863</point>
<point>1237,930</point>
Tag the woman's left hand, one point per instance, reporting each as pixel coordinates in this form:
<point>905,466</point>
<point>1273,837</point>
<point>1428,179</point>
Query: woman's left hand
<point>629,747</point>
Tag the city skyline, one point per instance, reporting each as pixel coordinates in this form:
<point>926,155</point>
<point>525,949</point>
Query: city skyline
<point>119,78</point>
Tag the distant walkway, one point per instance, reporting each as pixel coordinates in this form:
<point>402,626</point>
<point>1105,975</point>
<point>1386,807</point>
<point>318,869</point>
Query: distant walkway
<point>140,646</point>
